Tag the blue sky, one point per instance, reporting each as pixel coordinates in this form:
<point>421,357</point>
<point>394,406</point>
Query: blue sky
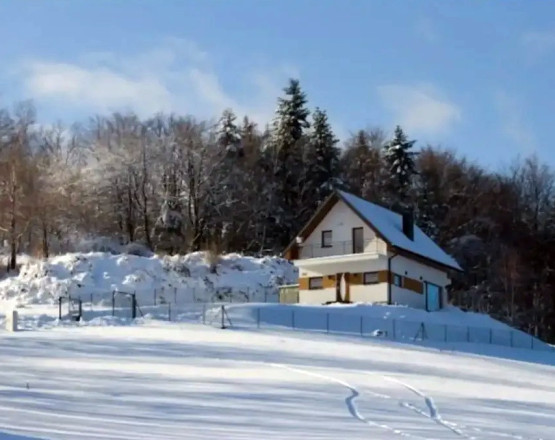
<point>474,76</point>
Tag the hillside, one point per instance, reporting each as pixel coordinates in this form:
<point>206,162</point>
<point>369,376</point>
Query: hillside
<point>174,381</point>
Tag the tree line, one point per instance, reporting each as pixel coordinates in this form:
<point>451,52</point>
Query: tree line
<point>176,183</point>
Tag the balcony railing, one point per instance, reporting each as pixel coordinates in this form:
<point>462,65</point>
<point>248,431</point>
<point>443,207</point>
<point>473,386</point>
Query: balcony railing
<point>372,246</point>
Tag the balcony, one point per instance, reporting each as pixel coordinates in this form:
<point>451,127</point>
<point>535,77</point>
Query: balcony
<point>372,246</point>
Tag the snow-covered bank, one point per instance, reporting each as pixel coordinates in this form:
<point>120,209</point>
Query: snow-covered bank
<point>187,278</point>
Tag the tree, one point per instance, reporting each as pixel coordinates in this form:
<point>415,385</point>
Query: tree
<point>400,160</point>
<point>228,134</point>
<point>285,150</point>
<point>321,164</point>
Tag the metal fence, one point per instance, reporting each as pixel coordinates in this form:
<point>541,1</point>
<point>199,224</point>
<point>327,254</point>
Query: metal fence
<point>402,330</point>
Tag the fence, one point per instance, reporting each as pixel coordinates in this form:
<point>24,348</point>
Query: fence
<point>227,314</point>
<point>336,322</point>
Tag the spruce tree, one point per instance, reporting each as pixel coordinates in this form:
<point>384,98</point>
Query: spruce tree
<point>228,134</point>
<point>321,162</point>
<point>285,147</point>
<point>400,160</point>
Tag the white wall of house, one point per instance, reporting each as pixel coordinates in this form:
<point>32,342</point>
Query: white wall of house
<point>340,220</point>
<point>418,271</point>
<point>318,296</point>
<point>407,297</point>
<point>375,293</point>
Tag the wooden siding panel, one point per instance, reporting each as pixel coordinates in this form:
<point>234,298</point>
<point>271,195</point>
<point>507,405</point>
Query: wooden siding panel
<point>414,285</point>
<point>329,281</point>
<point>303,283</point>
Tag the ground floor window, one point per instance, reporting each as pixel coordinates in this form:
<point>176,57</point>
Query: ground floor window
<point>371,278</point>
<point>315,283</point>
<point>397,280</point>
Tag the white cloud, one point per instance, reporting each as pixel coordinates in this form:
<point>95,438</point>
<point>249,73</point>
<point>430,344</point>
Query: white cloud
<point>513,124</point>
<point>175,76</point>
<point>100,89</point>
<point>419,109</point>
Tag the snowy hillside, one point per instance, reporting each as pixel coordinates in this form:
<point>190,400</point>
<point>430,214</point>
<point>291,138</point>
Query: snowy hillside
<point>189,278</point>
<point>169,381</point>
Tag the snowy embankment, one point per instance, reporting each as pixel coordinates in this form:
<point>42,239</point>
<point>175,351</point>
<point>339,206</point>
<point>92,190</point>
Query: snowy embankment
<point>187,278</point>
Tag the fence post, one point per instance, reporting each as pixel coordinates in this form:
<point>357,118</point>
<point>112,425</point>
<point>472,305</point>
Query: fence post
<point>154,296</point>
<point>327,322</point>
<point>361,325</point>
<point>491,336</point>
<point>175,295</point>
<point>531,342</point>
<point>223,316</point>
<point>258,317</point>
<point>133,306</point>
<point>59,307</point>
<point>91,302</point>
<point>292,319</point>
<point>113,303</point>
<point>169,311</point>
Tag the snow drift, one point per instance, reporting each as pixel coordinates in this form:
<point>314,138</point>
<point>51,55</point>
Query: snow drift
<point>187,278</point>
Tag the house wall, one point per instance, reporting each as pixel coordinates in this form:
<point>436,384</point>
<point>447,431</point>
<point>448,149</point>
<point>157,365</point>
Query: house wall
<point>320,296</point>
<point>418,272</point>
<point>341,220</point>
<point>374,293</point>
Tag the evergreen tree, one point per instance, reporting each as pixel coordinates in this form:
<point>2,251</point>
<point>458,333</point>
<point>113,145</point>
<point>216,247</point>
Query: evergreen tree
<point>400,160</point>
<point>321,162</point>
<point>228,134</point>
<point>285,147</point>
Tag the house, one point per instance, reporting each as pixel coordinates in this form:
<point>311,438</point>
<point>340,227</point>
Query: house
<point>352,250</point>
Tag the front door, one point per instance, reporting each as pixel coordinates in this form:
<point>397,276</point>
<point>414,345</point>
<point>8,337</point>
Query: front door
<point>358,241</point>
<point>433,297</point>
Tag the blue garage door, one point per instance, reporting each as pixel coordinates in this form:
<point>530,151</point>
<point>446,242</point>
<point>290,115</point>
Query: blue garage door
<point>433,297</point>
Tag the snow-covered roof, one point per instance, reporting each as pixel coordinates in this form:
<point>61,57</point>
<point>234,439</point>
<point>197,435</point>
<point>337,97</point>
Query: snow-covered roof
<point>390,225</point>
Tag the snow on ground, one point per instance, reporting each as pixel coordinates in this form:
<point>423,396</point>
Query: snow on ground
<point>187,278</point>
<point>157,380</point>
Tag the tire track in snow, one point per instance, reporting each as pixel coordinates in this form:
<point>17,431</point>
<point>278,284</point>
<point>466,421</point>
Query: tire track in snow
<point>350,401</point>
<point>435,415</point>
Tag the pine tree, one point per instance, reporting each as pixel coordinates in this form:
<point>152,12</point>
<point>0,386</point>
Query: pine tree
<point>400,160</point>
<point>321,162</point>
<point>285,148</point>
<point>228,134</point>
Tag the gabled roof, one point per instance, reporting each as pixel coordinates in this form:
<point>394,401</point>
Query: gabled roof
<point>388,225</point>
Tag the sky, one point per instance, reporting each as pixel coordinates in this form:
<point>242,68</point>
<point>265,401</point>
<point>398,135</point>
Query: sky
<point>473,76</point>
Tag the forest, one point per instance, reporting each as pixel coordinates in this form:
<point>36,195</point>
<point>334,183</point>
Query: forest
<point>176,183</point>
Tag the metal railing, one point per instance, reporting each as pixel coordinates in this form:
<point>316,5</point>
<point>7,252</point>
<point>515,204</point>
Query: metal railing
<point>371,246</point>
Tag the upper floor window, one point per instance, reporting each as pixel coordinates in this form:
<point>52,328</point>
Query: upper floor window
<point>326,239</point>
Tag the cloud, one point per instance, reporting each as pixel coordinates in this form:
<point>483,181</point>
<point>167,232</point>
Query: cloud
<point>538,43</point>
<point>175,76</point>
<point>419,109</point>
<point>513,123</point>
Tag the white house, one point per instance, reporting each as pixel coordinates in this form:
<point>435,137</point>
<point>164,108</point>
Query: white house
<point>352,250</point>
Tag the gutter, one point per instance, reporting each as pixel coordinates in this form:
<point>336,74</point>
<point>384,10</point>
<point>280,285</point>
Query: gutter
<point>390,280</point>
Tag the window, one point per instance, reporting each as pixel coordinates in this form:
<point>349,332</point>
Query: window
<point>326,239</point>
<point>371,278</point>
<point>315,283</point>
<point>397,280</point>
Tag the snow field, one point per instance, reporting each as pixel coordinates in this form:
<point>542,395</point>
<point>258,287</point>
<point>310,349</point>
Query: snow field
<point>174,381</point>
